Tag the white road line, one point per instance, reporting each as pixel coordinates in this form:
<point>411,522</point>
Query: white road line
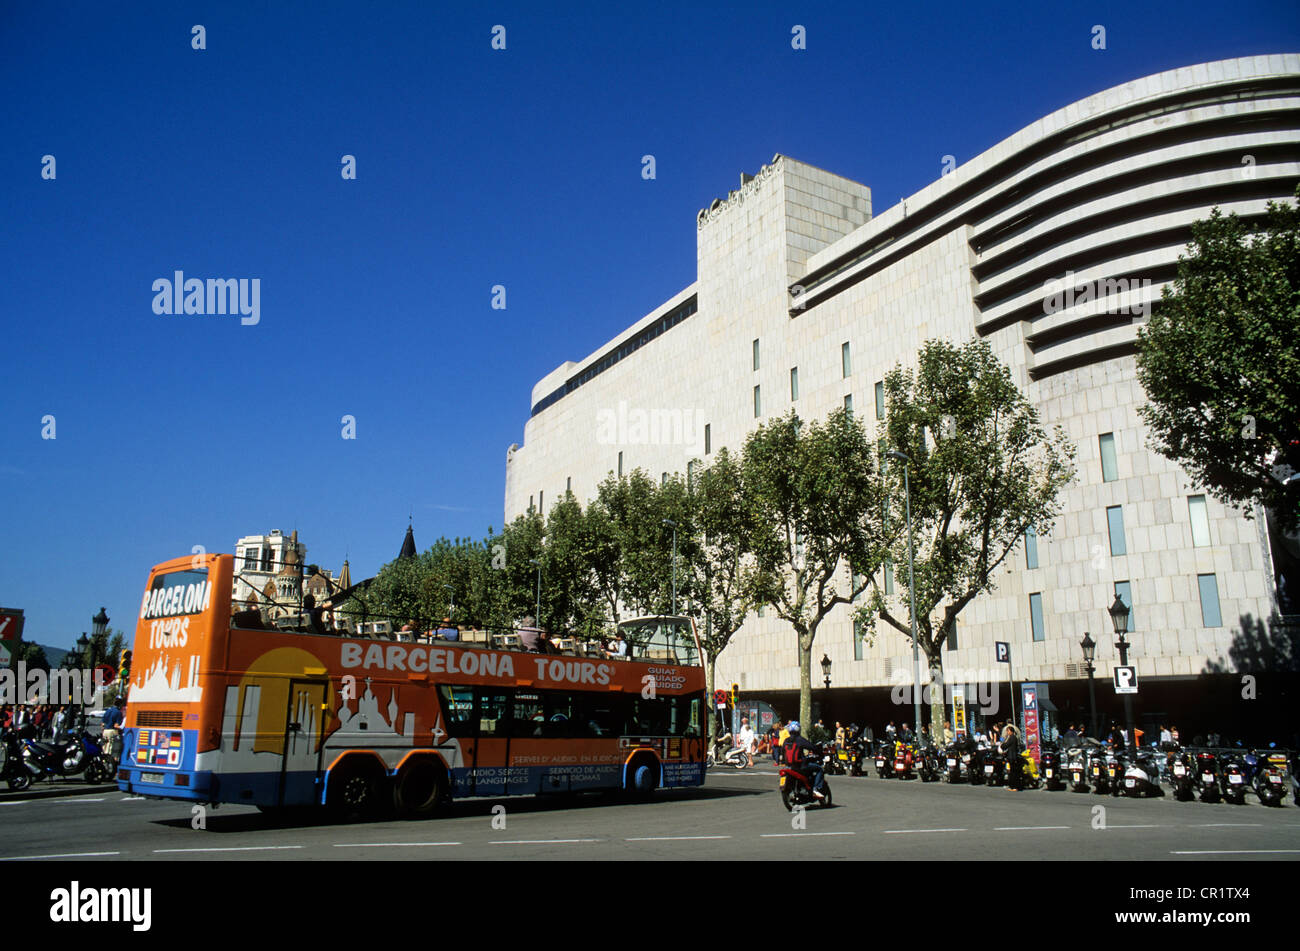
<point>1210,825</point>
<point>673,838</point>
<point>792,835</point>
<point>1132,827</point>
<point>74,799</point>
<point>130,798</point>
<point>541,841</point>
<point>236,848</point>
<point>904,831</point>
<point>388,845</point>
<point>1239,852</point>
<point>65,855</point>
<point>1025,828</point>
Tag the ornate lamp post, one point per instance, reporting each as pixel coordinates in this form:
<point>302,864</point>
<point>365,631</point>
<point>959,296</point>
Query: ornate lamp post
<point>826,676</point>
<point>670,522</point>
<point>1089,654</point>
<point>1119,613</point>
<point>911,590</point>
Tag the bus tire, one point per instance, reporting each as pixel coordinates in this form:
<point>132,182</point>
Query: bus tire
<point>355,787</point>
<point>642,776</point>
<point>420,788</point>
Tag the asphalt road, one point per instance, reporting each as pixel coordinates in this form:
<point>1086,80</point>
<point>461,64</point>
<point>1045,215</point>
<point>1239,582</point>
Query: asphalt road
<point>736,815</point>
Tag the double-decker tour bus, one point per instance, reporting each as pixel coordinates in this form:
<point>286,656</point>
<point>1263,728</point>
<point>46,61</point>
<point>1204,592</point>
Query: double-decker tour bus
<point>223,710</point>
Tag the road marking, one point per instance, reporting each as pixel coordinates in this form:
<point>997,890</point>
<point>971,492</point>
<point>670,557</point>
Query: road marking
<point>74,799</point>
<point>905,831</point>
<point>388,845</point>
<point>65,855</point>
<point>1132,827</point>
<point>785,835</point>
<point>1026,828</point>
<point>236,848</point>
<point>1210,825</point>
<point>1239,852</point>
<point>129,798</point>
<point>673,838</point>
<point>541,841</point>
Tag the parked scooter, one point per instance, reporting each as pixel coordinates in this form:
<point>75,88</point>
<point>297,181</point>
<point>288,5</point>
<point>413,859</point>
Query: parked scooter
<point>904,760</point>
<point>957,760</point>
<point>927,764</point>
<point>48,759</point>
<point>1207,776</point>
<point>1100,771</point>
<point>1182,776</point>
<point>1232,770</point>
<point>1076,767</point>
<point>1142,776</point>
<point>885,758</point>
<point>1270,779</point>
<point>14,768</point>
<point>995,767</point>
<point>1053,777</point>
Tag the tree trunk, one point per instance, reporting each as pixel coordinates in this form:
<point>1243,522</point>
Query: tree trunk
<point>711,666</point>
<point>938,699</point>
<point>805,681</point>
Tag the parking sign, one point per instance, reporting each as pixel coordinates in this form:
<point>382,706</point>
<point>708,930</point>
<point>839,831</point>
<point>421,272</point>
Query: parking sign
<point>1126,679</point>
<point>1002,651</point>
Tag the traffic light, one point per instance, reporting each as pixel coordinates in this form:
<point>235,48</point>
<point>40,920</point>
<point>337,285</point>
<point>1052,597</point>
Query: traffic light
<point>735,694</point>
<point>124,667</point>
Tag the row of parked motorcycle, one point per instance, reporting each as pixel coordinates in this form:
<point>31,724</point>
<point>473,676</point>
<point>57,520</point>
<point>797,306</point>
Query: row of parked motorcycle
<point>24,761</point>
<point>1205,774</point>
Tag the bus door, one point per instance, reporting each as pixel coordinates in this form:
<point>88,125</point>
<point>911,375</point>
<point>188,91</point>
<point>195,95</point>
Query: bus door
<point>491,744</point>
<point>304,725</point>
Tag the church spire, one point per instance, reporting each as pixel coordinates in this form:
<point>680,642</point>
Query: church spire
<point>408,544</point>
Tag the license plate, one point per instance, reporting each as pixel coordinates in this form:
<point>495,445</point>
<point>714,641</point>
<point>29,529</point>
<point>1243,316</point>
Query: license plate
<point>151,777</point>
<point>1207,777</point>
<point>951,761</point>
<point>1236,779</point>
<point>900,767</point>
<point>1049,774</point>
<point>1111,770</point>
<point>988,769</point>
<point>1179,770</point>
<point>1275,779</point>
<point>1129,783</point>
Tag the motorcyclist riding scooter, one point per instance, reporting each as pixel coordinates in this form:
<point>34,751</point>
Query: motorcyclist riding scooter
<point>801,769</point>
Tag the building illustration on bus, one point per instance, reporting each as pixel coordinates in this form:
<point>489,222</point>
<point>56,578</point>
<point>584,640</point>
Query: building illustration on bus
<point>222,712</point>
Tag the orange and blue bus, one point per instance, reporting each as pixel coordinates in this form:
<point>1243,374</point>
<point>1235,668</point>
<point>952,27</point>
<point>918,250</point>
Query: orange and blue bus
<point>224,710</point>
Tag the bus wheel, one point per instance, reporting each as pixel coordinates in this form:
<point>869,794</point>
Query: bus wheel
<point>354,789</point>
<point>641,778</point>
<point>420,788</point>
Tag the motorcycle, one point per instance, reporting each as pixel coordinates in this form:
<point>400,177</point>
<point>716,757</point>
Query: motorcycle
<point>1142,776</point>
<point>48,759</point>
<point>14,768</point>
<point>957,759</point>
<point>885,758</point>
<point>82,750</point>
<point>831,765</point>
<point>861,753</point>
<point>1270,780</point>
<point>1182,776</point>
<point>1030,777</point>
<point>904,760</point>
<point>1053,778</point>
<point>797,789</point>
<point>726,753</point>
<point>1076,767</point>
<point>1099,771</point>
<point>1232,771</point>
<point>995,768</point>
<point>927,764</point>
<point>1207,777</point>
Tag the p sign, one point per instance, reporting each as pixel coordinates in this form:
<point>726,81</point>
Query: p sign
<point>1002,651</point>
<point>1126,679</point>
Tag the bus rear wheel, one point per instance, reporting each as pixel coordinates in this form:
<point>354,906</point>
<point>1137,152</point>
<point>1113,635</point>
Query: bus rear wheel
<point>420,788</point>
<point>642,777</point>
<point>355,790</point>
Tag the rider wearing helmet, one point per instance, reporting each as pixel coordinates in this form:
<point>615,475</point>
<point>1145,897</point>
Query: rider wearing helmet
<point>793,754</point>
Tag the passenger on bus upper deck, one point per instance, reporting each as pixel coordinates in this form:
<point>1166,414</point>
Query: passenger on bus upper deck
<point>448,631</point>
<point>619,650</point>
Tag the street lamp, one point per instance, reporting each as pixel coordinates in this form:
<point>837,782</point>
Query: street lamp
<point>669,521</point>
<point>83,647</point>
<point>911,590</point>
<point>826,675</point>
<point>1089,654</point>
<point>451,611</point>
<point>1119,613</point>
<point>99,623</point>
<point>537,618</point>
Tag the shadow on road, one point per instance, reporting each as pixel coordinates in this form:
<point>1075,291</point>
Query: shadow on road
<point>311,817</point>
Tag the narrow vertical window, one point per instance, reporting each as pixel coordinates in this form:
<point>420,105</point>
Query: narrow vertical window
<point>663,479</point>
<point>620,465</point>
<point>880,400</point>
<point>1209,586</point>
<point>1036,615</point>
<point>755,354</point>
<point>1200,520</point>
<point>708,439</point>
<point>758,404</point>
<point>1031,547</point>
<point>568,484</point>
<point>951,640</point>
<point>848,403</point>
<point>846,362</point>
<point>889,576</point>
<point>1109,471</point>
<point>1115,524</point>
<point>794,384</point>
<point>1124,591</point>
<point>857,640</point>
<point>541,505</point>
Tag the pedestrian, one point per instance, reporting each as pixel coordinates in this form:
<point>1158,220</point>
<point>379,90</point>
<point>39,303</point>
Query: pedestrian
<point>1011,750</point>
<point>890,731</point>
<point>60,723</point>
<point>112,721</point>
<point>746,740</point>
<point>1166,735</point>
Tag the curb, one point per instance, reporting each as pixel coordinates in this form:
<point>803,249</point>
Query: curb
<point>80,789</point>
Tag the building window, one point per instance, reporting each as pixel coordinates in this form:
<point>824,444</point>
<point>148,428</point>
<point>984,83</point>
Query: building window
<point>889,576</point>
<point>1109,471</point>
<point>951,640</point>
<point>620,465</point>
<point>530,503</point>
<point>250,559</point>
<point>1209,600</point>
<point>1036,615</point>
<point>755,354</point>
<point>758,404</point>
<point>1115,523</point>
<point>855,582</point>
<point>1031,547</point>
<point>848,404</point>
<point>568,484</point>
<point>541,506</point>
<point>266,559</point>
<point>857,639</point>
<point>846,362</point>
<point>691,466</point>
<point>663,479</point>
<point>880,400</point>
<point>1124,591</point>
<point>708,439</point>
<point>794,384</point>
<point>1200,520</point>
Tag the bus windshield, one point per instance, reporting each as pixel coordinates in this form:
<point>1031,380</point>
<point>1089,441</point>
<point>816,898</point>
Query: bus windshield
<point>661,638</point>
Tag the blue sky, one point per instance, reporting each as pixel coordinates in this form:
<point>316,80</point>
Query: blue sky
<point>475,167</point>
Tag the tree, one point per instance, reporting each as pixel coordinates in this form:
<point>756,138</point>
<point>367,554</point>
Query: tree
<point>724,576</point>
<point>982,472</point>
<point>1220,360</point>
<point>813,493</point>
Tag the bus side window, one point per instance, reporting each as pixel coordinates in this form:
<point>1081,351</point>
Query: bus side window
<point>493,712</point>
<point>457,709</point>
<point>560,715</point>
